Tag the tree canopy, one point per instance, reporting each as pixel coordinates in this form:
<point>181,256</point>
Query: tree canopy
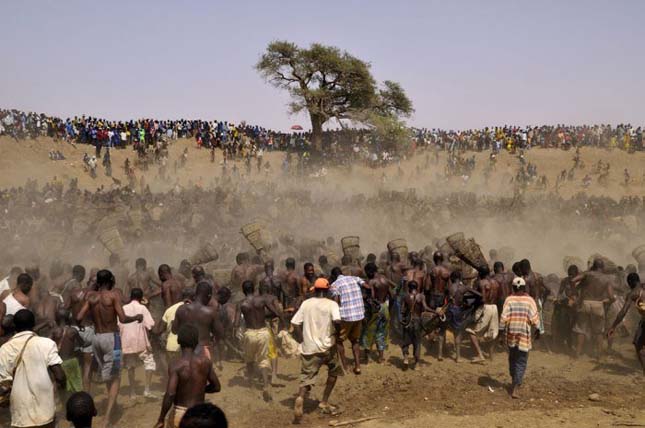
<point>330,84</point>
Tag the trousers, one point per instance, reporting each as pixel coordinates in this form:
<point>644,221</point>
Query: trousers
<point>517,362</point>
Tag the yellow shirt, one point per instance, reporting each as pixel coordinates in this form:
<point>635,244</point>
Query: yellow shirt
<point>168,317</point>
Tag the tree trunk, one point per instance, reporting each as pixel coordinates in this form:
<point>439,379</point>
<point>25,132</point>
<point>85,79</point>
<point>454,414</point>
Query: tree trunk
<point>316,130</point>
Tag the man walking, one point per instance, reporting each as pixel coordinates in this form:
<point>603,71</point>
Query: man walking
<point>635,297</point>
<point>519,314</point>
<point>135,343</point>
<point>27,361</point>
<point>347,291</point>
<point>319,318</point>
<point>105,307</point>
<point>190,377</point>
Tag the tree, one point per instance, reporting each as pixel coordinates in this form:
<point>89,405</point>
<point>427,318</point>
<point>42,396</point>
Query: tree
<point>329,84</point>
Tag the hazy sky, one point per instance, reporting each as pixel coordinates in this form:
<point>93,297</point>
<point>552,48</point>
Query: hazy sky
<point>463,63</point>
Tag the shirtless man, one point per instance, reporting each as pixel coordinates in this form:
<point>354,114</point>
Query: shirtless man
<point>171,288</point>
<point>203,316</point>
<point>257,336</point>
<point>183,273</point>
<point>534,285</point>
<point>325,266</point>
<point>412,308</point>
<point>78,275</point>
<point>33,270</point>
<point>238,274</point>
<point>190,378</point>
<point>199,275</point>
<point>74,300</point>
<point>636,297</point>
<point>436,293</point>
<point>105,306</point>
<point>436,290</point>
<point>487,325</point>
<point>350,267</point>
<point>274,285</point>
<point>59,275</point>
<point>67,340</point>
<point>307,280</point>
<point>505,280</point>
<point>417,272</point>
<point>274,323</point>
<point>564,312</point>
<point>376,329</point>
<point>292,284</point>
<point>595,290</point>
<point>45,311</point>
<point>144,278</point>
<point>461,309</point>
<point>395,271</point>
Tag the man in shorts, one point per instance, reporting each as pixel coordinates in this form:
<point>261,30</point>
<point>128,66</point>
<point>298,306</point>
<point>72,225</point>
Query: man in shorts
<point>105,306</point>
<point>347,292</point>
<point>319,318</point>
<point>595,291</point>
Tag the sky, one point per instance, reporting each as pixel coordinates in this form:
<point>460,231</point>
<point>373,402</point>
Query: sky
<point>464,64</point>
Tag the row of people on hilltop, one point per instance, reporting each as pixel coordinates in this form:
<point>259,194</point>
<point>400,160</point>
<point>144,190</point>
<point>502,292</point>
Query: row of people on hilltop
<point>511,138</point>
<point>345,143</point>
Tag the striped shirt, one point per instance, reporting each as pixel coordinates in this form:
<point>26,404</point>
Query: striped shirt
<point>348,290</point>
<point>519,314</point>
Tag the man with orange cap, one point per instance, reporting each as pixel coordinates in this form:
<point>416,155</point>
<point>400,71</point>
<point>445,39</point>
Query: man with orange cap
<point>319,319</point>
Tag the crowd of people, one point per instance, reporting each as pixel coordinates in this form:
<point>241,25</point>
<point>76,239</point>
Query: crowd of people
<point>339,145</point>
<point>182,324</point>
<point>100,310</point>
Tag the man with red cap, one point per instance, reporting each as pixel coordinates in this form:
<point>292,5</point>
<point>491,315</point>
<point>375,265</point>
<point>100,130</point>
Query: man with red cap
<point>319,318</point>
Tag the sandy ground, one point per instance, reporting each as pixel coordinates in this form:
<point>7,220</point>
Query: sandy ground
<point>440,393</point>
<point>556,393</point>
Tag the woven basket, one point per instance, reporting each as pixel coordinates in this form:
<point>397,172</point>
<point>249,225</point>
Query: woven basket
<point>207,253</point>
<point>111,239</point>
<point>253,232</point>
<point>467,250</point>
<point>610,266</point>
<point>351,247</point>
<point>398,246</point>
<point>639,254</point>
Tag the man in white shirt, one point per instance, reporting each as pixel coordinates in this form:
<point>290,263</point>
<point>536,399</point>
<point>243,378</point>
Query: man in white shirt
<point>319,318</point>
<point>32,392</point>
<point>19,298</point>
<point>7,284</point>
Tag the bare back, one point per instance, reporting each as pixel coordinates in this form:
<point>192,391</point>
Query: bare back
<point>192,375</point>
<point>104,305</point>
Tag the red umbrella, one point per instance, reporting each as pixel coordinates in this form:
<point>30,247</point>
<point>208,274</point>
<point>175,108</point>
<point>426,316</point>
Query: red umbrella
<point>296,128</point>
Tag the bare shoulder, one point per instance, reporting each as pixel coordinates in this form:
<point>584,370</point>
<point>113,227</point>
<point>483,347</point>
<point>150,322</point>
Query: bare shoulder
<point>181,310</point>
<point>92,296</point>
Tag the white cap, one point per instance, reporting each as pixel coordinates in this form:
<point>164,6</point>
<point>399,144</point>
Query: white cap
<point>519,282</point>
